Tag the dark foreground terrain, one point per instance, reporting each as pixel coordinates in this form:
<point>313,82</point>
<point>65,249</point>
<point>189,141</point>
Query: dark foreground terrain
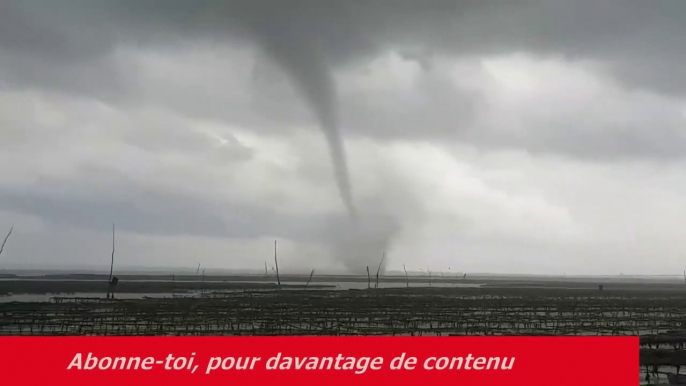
<point>654,310</point>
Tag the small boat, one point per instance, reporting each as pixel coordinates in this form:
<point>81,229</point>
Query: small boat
<point>676,379</point>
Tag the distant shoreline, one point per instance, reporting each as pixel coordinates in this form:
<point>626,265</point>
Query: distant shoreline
<point>145,283</point>
<point>133,271</point>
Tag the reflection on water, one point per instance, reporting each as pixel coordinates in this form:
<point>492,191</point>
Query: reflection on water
<point>47,297</point>
<point>362,285</point>
<point>195,293</point>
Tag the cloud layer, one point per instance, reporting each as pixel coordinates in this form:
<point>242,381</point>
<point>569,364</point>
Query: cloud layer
<point>521,136</point>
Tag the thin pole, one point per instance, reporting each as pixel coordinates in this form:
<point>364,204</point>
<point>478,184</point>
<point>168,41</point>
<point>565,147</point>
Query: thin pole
<point>276,262</point>
<point>379,269</point>
<point>2,248</point>
<point>109,281</point>
<point>310,279</point>
<point>112,262</point>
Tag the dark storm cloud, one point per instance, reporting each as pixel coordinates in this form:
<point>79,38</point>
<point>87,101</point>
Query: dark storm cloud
<point>140,209</point>
<point>639,40</point>
<point>70,45</point>
<point>100,196</point>
<point>80,47</point>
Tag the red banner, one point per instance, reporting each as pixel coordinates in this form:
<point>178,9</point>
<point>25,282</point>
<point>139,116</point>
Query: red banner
<point>356,361</point>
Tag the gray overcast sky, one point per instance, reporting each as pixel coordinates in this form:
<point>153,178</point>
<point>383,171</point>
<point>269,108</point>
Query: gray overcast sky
<point>522,136</point>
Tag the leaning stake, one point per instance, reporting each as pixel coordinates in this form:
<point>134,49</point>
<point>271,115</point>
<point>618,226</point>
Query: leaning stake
<point>276,262</point>
<point>379,269</point>
<point>2,248</point>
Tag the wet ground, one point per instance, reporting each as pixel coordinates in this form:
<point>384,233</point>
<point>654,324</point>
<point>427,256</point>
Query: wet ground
<point>133,285</point>
<point>657,305</point>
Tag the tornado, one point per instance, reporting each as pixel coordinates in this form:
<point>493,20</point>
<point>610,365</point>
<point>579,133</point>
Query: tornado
<point>309,72</point>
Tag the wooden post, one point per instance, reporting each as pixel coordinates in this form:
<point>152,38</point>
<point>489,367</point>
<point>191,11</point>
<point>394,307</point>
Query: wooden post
<point>2,248</point>
<point>379,269</point>
<point>109,280</point>
<point>310,279</point>
<point>369,279</point>
<point>407,279</point>
<point>276,263</point>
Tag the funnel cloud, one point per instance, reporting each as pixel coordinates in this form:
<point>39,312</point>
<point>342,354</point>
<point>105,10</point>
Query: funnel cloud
<point>354,243</point>
<point>308,70</point>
